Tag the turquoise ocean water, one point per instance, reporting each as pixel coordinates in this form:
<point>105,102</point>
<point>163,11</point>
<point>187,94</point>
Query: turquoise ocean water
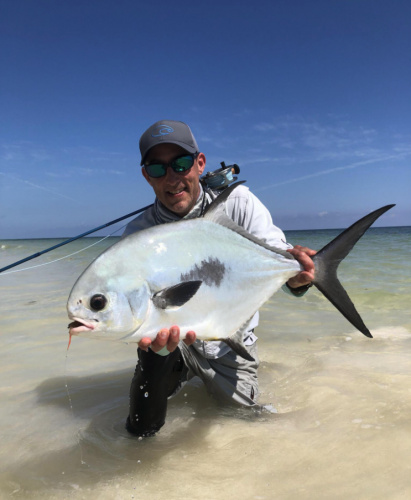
<point>342,429</point>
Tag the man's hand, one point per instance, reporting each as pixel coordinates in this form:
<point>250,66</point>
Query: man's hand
<point>169,338</point>
<point>303,255</point>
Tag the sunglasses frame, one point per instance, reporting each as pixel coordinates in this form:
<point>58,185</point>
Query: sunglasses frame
<point>170,164</point>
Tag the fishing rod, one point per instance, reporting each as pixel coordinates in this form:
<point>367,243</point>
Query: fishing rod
<point>218,180</point>
<point>30,257</point>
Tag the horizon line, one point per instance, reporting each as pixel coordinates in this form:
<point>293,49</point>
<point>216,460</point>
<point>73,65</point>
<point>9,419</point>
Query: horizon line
<point>67,237</point>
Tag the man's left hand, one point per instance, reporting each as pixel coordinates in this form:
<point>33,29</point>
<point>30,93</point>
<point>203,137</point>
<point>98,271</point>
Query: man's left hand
<point>166,337</point>
<point>303,255</point>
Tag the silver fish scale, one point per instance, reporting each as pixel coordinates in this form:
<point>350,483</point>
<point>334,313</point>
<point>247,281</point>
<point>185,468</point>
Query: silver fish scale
<point>237,276</point>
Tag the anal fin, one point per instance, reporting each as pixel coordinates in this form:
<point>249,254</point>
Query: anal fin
<point>235,342</point>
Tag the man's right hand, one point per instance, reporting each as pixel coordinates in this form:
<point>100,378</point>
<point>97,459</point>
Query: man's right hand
<point>165,337</point>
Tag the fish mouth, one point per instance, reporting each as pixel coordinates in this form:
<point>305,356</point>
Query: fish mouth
<point>80,325</point>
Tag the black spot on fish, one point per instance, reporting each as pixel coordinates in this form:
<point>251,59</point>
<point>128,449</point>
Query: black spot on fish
<point>210,271</point>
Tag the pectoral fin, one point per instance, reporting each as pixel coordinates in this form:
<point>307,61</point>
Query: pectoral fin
<point>177,295</point>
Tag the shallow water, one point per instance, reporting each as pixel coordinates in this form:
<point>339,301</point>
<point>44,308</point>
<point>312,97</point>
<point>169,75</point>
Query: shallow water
<point>342,429</point>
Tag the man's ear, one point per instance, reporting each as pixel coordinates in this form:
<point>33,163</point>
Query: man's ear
<point>146,176</point>
<point>201,163</point>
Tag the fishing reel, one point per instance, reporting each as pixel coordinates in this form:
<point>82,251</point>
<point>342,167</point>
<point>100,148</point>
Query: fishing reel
<point>222,177</point>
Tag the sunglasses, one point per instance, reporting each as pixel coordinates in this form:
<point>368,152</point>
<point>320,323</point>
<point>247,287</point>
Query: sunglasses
<point>180,164</point>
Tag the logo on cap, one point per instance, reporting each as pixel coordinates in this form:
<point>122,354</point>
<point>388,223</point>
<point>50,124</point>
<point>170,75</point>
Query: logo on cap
<point>162,130</point>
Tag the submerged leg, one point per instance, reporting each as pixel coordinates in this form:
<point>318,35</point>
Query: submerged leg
<point>155,378</point>
<point>229,378</point>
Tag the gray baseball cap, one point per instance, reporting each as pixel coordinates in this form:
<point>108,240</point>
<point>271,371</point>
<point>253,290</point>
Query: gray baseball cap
<point>167,132</point>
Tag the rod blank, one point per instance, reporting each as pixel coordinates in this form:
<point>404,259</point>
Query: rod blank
<point>30,257</point>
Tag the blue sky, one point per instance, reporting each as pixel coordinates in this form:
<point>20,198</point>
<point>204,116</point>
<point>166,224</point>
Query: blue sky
<point>311,99</point>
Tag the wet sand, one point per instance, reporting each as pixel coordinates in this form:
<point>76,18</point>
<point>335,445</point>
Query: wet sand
<point>342,430</point>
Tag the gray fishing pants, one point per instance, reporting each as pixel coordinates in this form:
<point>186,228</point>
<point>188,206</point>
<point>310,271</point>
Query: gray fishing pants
<point>229,378</point>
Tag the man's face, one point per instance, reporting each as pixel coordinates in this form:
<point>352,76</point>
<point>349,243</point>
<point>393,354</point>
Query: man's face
<point>177,191</point>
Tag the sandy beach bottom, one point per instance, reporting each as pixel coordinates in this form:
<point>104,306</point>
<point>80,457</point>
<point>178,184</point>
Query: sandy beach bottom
<point>342,430</point>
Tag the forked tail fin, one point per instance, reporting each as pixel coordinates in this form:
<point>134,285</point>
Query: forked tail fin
<point>327,261</point>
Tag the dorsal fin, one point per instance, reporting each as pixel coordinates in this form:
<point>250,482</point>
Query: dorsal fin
<point>215,213</point>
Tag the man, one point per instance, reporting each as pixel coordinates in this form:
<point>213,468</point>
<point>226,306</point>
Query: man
<point>172,165</point>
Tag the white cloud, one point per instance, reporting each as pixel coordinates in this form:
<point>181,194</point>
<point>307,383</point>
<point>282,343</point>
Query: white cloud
<point>99,171</point>
<point>244,112</point>
<point>100,159</point>
<point>336,139</point>
<point>9,157</point>
<point>264,127</point>
<point>116,172</point>
<point>40,155</point>
<point>269,159</point>
<point>58,175</point>
<point>87,171</point>
<point>337,169</point>
<point>321,214</point>
<point>37,186</point>
<point>403,149</point>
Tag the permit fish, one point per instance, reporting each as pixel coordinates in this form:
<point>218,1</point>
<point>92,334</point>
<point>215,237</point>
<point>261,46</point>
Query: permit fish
<point>206,275</point>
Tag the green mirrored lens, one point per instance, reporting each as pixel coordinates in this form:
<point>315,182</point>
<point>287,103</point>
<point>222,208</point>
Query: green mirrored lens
<point>156,170</point>
<point>182,164</point>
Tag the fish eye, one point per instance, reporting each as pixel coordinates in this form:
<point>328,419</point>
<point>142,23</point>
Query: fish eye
<point>98,302</point>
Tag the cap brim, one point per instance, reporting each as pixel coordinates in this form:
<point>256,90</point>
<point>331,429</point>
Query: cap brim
<point>186,147</point>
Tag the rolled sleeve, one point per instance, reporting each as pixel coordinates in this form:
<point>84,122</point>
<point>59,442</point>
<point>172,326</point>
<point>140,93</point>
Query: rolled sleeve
<point>247,211</point>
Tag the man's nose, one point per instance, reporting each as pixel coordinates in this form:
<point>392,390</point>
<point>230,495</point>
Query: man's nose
<point>171,176</point>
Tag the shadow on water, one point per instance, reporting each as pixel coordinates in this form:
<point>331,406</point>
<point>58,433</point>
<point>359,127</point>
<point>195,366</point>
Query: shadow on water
<point>108,450</point>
